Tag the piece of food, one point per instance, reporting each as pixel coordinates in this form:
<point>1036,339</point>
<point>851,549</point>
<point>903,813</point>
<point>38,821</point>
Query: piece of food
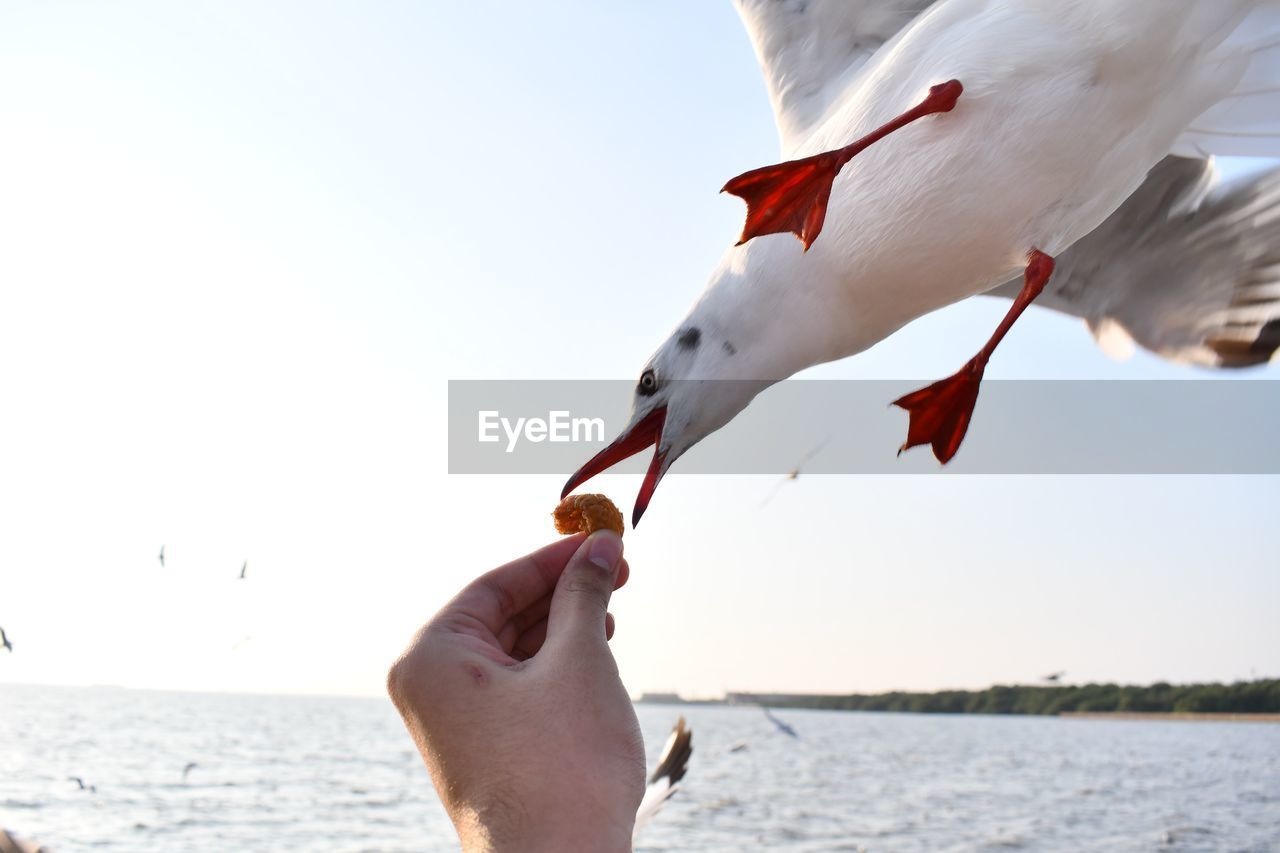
<point>587,514</point>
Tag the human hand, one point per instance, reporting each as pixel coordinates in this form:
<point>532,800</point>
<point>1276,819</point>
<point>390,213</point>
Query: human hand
<point>513,698</point>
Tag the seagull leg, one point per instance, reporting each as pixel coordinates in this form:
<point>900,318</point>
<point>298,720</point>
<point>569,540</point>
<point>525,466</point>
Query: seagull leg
<point>940,414</point>
<point>792,196</point>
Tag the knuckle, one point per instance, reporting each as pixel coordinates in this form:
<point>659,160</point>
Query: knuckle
<point>507,604</point>
<point>400,681</point>
<point>408,676</point>
<point>587,588</point>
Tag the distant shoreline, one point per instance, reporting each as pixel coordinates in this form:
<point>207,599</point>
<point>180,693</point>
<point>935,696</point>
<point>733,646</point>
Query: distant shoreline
<point>1150,716</point>
<point>1242,700</point>
<point>1172,716</point>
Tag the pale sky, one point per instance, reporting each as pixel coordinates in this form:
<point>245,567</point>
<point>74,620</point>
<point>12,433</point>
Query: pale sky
<point>244,246</point>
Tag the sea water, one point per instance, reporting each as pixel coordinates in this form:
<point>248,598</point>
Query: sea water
<point>340,774</point>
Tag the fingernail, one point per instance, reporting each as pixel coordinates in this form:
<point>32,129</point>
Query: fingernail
<point>604,549</point>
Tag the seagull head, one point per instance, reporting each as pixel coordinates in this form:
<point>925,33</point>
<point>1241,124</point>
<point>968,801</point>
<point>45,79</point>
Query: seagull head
<point>685,392</point>
<point>729,348</point>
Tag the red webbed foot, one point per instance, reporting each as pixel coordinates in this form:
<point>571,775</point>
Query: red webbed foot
<point>792,196</point>
<point>940,414</point>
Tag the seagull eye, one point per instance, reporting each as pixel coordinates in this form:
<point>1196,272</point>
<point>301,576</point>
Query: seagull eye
<point>648,383</point>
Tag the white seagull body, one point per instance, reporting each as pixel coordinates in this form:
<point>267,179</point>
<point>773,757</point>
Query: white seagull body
<point>1067,105</point>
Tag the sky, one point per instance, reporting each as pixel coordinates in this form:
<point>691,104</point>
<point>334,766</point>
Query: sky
<point>243,249</point>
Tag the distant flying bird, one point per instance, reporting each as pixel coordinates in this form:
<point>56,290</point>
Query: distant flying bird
<point>83,787</point>
<point>943,145</point>
<point>782,727</point>
<point>242,568</point>
<point>4,641</point>
<point>664,780</point>
<point>162,556</point>
<point>186,771</point>
<point>739,746</point>
<point>794,473</point>
<point>1055,676</point>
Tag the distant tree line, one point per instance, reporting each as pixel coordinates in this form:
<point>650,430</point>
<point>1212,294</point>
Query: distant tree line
<point>1242,697</point>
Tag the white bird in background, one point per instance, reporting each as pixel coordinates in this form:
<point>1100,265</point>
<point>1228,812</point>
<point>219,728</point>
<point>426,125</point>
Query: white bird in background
<point>794,473</point>
<point>785,728</point>
<point>4,641</point>
<point>1054,677</point>
<point>186,771</point>
<point>92,789</point>
<point>243,568</point>
<point>991,136</point>
<point>162,556</point>
<point>666,775</point>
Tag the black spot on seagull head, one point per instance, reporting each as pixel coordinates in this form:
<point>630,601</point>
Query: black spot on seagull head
<point>690,338</point>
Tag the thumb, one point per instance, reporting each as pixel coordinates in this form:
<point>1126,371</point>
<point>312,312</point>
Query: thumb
<point>582,594</point>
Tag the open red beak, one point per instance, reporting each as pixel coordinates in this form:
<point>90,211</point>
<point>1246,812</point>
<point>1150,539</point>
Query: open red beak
<point>647,432</point>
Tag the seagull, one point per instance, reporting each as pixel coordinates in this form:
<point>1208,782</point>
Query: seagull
<point>186,771</point>
<point>243,566</point>
<point>666,776</point>
<point>1054,677</point>
<point>938,151</point>
<point>162,556</point>
<point>83,787</point>
<point>4,641</point>
<point>794,473</point>
<point>782,727</point>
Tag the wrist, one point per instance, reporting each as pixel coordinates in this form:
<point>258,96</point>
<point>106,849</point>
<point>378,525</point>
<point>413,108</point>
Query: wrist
<point>564,840</point>
<point>548,832</point>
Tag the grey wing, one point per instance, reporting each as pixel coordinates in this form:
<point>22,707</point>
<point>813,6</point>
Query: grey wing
<point>810,50</point>
<point>1189,274</point>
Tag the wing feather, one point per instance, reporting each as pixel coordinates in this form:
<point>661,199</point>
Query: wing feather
<point>810,50</point>
<point>1247,122</point>
<point>667,774</point>
<point>1192,275</point>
